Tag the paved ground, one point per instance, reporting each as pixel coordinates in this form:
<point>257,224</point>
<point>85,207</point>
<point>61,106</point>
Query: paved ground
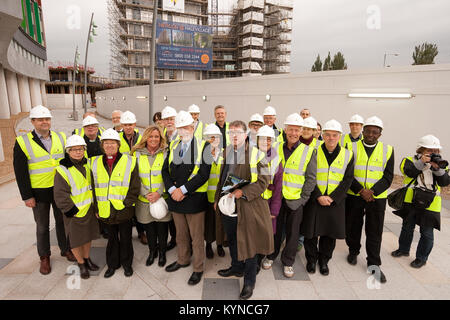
<point>20,277</point>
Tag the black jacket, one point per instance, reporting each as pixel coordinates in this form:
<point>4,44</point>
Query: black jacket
<point>180,170</point>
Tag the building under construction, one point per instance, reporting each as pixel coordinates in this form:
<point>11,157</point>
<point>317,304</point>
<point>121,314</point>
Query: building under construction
<point>250,38</point>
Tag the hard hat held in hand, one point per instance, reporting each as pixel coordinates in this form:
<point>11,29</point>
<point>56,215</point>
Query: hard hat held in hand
<point>193,108</point>
<point>183,119</point>
<point>212,130</point>
<point>356,118</point>
<point>256,118</point>
<point>310,122</point>
<point>227,205</point>
<point>128,117</point>
<point>332,125</point>
<point>294,119</point>
<point>110,134</point>
<point>266,131</point>
<point>40,112</point>
<point>89,120</point>
<point>168,112</point>
<point>270,111</point>
<point>430,142</point>
<point>374,121</point>
<point>75,140</point>
<point>159,209</point>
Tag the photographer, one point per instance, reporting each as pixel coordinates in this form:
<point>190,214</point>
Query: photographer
<point>422,204</point>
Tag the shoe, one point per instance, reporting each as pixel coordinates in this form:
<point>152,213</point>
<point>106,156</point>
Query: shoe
<point>397,253</point>
<point>45,265</point>
<point>162,259</point>
<point>84,271</point>
<point>171,245</point>
<point>220,251</point>
<point>175,266</point>
<point>267,263</point>
<point>209,251</point>
<point>90,265</point>
<point>128,272</point>
<point>299,247</point>
<point>230,273</point>
<point>246,293</point>
<point>109,273</point>
<point>417,263</point>
<point>151,258</point>
<point>69,255</point>
<point>288,271</point>
<point>382,276</point>
<point>311,267</point>
<point>352,259</point>
<point>143,238</point>
<point>195,278</point>
<point>323,268</point>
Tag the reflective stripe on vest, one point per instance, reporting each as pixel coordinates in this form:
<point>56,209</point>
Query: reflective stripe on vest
<point>112,190</point>
<point>80,187</point>
<point>124,147</point>
<point>273,167</point>
<point>369,171</point>
<point>41,164</point>
<point>151,178</point>
<point>329,177</point>
<point>346,142</point>
<point>198,134</point>
<point>213,180</point>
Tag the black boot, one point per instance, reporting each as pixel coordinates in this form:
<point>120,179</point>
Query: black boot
<point>151,258</point>
<point>84,272</point>
<point>209,251</point>
<point>162,258</point>
<point>90,265</point>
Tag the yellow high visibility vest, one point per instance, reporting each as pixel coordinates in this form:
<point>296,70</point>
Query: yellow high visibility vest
<point>436,205</point>
<point>80,187</point>
<point>273,166</point>
<point>369,171</point>
<point>213,180</point>
<point>124,147</point>
<point>112,190</point>
<point>198,134</point>
<point>151,177</point>
<point>80,132</point>
<point>42,164</point>
<point>329,177</point>
<point>346,142</point>
<point>294,170</point>
<point>165,134</point>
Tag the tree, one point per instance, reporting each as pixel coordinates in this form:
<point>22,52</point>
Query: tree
<point>425,53</point>
<point>338,62</point>
<point>317,66</point>
<point>327,63</point>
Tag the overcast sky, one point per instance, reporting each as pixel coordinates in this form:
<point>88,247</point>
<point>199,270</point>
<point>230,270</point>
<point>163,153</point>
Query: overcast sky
<point>362,30</point>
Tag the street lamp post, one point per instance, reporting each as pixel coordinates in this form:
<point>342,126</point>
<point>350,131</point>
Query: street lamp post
<point>388,54</point>
<point>75,71</point>
<point>151,84</point>
<point>92,27</point>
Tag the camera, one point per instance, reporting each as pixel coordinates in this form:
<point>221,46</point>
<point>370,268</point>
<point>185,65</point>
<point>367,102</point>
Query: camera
<point>436,158</point>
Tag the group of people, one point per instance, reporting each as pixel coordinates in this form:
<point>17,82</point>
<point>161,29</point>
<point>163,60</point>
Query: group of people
<point>302,183</point>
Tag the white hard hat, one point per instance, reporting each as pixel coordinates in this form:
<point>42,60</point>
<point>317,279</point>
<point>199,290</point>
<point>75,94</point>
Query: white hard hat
<point>75,140</point>
<point>128,117</point>
<point>40,112</point>
<point>89,120</point>
<point>183,119</point>
<point>168,112</point>
<point>194,109</point>
<point>332,125</point>
<point>227,205</point>
<point>356,118</point>
<point>294,119</point>
<point>270,111</point>
<point>266,131</point>
<point>212,130</point>
<point>310,122</point>
<point>110,134</point>
<point>430,142</point>
<point>159,209</point>
<point>374,121</point>
<point>257,118</point>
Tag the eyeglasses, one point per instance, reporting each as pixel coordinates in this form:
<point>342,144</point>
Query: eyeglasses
<point>76,150</point>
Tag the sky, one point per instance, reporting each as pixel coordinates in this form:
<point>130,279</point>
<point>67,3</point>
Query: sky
<point>363,30</point>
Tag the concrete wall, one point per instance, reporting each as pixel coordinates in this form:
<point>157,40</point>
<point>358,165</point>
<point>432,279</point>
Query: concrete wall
<point>324,93</point>
<point>65,101</point>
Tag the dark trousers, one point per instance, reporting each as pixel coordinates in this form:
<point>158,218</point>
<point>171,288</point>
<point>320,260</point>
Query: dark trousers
<point>172,231</point>
<point>248,266</point>
<point>41,215</point>
<point>119,250</point>
<point>157,233</point>
<point>139,226</point>
<point>288,220</point>
<point>356,209</point>
<point>322,254</point>
<point>426,241</point>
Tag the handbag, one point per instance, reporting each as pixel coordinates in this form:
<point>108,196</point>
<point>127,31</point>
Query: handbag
<point>422,198</point>
<point>397,197</point>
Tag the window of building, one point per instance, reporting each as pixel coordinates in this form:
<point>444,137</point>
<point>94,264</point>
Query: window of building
<point>160,73</point>
<point>136,14</point>
<point>172,74</point>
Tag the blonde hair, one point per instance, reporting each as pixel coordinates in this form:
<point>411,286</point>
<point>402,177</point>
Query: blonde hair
<point>146,135</point>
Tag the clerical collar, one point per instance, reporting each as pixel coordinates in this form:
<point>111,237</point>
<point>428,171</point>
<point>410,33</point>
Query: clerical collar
<point>109,157</point>
<point>370,146</point>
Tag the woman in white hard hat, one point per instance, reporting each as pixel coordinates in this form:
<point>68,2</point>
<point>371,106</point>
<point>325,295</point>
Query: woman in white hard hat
<point>117,185</point>
<point>255,123</point>
<point>73,195</point>
<point>150,154</point>
<point>422,204</point>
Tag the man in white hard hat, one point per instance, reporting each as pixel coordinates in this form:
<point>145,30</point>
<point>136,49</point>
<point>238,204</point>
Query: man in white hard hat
<point>256,122</point>
<point>299,180</point>
<point>305,113</point>
<point>194,110</point>
<point>115,118</point>
<point>270,117</point>
<point>91,134</point>
<point>168,115</point>
<point>220,114</point>
<point>325,211</point>
<point>350,139</point>
<point>92,114</point>
<point>129,136</point>
<point>374,172</point>
<point>36,156</point>
<point>185,174</point>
